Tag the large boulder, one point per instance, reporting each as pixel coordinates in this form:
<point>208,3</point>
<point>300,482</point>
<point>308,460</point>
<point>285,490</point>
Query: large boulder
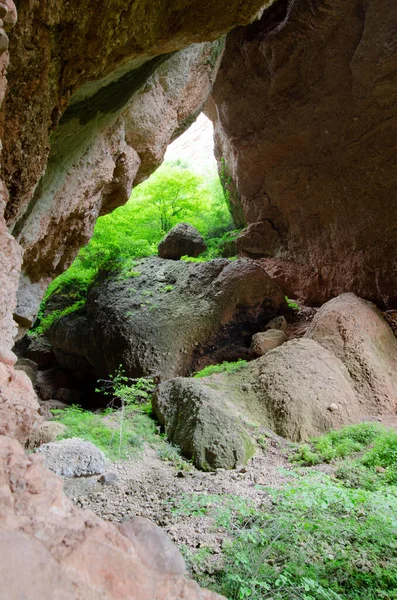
<point>305,126</point>
<point>168,316</point>
<point>298,390</point>
<point>198,420</point>
<point>73,457</point>
<point>357,332</point>
<point>51,549</point>
<point>182,240</point>
<point>303,390</point>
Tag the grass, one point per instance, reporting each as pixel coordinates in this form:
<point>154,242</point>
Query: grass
<point>138,427</point>
<point>225,367</point>
<point>338,444</point>
<point>319,537</point>
<point>315,540</point>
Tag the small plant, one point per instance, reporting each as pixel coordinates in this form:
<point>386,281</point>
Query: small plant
<point>338,444</point>
<point>127,392</point>
<point>315,540</point>
<point>292,303</point>
<point>191,259</point>
<point>166,289</point>
<point>225,367</point>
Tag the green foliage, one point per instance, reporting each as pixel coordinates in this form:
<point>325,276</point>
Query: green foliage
<point>101,430</point>
<point>173,194</point>
<point>46,322</point>
<point>315,540</point>
<point>292,304</point>
<point>225,367</point>
<point>337,444</point>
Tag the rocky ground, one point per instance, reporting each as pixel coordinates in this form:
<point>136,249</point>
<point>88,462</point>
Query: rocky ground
<point>148,486</point>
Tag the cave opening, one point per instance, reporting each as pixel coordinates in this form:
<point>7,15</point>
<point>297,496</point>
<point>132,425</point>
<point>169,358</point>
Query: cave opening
<point>185,188</point>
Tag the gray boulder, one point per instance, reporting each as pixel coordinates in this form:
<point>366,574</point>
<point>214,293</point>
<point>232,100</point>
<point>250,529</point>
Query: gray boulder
<point>298,390</point>
<point>197,419</point>
<point>166,316</point>
<point>73,458</point>
<point>181,240</point>
<point>265,341</point>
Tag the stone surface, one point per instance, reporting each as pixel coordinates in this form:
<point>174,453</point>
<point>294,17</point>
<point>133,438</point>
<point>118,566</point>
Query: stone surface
<point>299,390</point>
<point>50,383</point>
<point>73,457</point>
<point>18,404</point>
<point>196,418</point>
<point>99,129</point>
<point>69,396</point>
<point>46,432</point>
<point>154,547</point>
<point>54,550</point>
<point>38,349</point>
<point>169,318</point>
<point>305,128</point>
<point>279,323</point>
<point>181,240</point>
<point>263,342</point>
<point>54,403</point>
<point>28,367</point>
<point>356,331</point>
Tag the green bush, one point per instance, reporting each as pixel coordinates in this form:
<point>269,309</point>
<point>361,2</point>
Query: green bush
<point>315,540</point>
<point>337,444</point>
<point>225,367</point>
<point>173,194</point>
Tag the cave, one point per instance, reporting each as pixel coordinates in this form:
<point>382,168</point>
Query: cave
<point>302,99</point>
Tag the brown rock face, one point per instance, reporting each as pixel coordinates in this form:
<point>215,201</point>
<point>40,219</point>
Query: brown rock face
<point>356,331</point>
<point>50,549</point>
<point>85,119</point>
<point>306,127</point>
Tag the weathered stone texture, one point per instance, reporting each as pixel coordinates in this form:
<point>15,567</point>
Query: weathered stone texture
<point>306,124</point>
<point>50,549</point>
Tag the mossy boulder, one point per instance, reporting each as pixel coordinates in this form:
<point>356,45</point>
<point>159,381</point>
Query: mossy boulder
<point>197,419</point>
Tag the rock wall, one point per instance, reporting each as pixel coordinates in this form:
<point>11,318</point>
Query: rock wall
<point>93,165</point>
<point>66,158</point>
<point>306,128</point>
<point>94,99</point>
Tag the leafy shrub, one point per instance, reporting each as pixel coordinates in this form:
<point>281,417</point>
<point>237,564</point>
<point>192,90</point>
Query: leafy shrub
<point>337,444</point>
<point>171,195</point>
<point>47,321</point>
<point>225,367</point>
<point>316,540</point>
<point>292,303</point>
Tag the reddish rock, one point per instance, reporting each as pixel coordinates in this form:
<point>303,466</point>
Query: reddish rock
<point>357,333</point>
<point>18,404</point>
<point>50,549</point>
<point>89,118</point>
<point>306,127</point>
<point>154,546</point>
